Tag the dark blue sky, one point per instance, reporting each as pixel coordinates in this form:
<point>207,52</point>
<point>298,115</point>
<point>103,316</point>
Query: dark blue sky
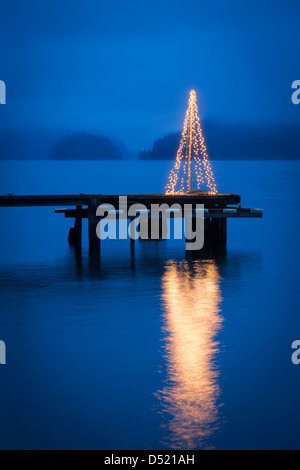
<point>125,67</point>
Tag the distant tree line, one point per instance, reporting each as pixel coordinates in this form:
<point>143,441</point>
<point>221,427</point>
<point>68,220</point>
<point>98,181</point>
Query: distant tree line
<point>84,146</point>
<point>224,141</point>
<point>164,148</point>
<point>235,142</point>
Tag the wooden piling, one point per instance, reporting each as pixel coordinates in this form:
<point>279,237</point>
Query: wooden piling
<point>163,228</point>
<point>94,241</point>
<point>132,233</point>
<point>216,231</point>
<point>75,233</point>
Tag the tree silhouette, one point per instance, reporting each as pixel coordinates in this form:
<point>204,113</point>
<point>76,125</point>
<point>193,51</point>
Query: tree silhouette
<point>164,148</point>
<point>83,146</point>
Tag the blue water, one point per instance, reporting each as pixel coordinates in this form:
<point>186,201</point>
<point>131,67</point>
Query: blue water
<point>149,349</point>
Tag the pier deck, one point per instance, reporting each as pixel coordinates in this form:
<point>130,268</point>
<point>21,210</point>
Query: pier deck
<point>218,208</point>
<point>209,200</point>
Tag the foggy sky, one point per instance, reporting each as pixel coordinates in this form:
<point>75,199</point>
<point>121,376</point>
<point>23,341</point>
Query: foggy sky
<point>125,67</point>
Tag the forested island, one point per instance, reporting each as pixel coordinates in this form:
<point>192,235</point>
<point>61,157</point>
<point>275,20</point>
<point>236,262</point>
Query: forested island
<point>235,142</point>
<point>84,146</point>
<point>164,148</point>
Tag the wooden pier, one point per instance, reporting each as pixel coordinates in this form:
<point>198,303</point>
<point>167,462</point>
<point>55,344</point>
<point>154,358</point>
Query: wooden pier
<point>218,208</point>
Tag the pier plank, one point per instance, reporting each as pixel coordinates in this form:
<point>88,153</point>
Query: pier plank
<point>209,200</point>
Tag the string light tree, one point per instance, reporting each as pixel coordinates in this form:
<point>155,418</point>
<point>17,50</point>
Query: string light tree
<point>192,170</point>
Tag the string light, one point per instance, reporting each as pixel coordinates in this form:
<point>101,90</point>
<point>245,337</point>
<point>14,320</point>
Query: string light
<point>192,169</point>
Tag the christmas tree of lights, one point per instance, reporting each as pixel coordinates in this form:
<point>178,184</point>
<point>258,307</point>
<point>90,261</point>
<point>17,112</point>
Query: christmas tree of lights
<point>192,169</point>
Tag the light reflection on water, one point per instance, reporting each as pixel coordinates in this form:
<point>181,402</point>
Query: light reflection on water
<point>84,335</point>
<point>192,320</point>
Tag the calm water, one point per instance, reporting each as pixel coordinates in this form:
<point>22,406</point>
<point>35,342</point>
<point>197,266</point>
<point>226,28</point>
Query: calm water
<point>149,349</point>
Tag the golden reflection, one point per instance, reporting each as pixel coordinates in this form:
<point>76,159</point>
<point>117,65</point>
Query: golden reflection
<point>191,295</point>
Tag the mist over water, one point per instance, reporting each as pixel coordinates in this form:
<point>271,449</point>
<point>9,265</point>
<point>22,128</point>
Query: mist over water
<point>149,348</point>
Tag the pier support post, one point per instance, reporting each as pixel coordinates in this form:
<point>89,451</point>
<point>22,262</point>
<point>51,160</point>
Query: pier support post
<point>192,223</point>
<point>216,231</point>
<point>132,232</point>
<point>163,228</point>
<point>94,241</point>
<point>75,233</point>
<point>224,231</point>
